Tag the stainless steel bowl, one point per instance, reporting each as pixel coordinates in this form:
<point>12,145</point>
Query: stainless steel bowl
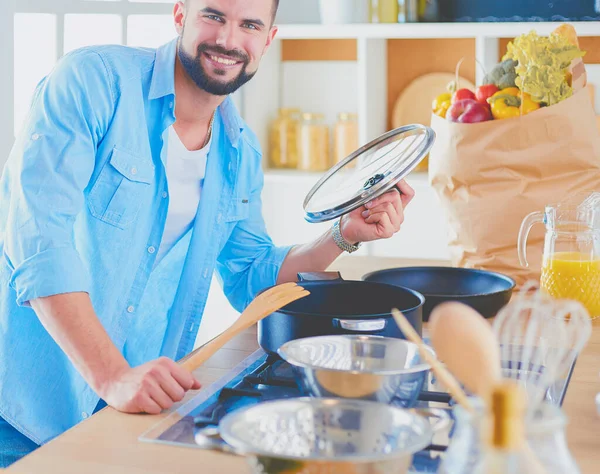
<point>324,436</point>
<point>358,367</point>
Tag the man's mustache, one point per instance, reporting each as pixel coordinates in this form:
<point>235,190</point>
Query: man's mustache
<point>216,49</point>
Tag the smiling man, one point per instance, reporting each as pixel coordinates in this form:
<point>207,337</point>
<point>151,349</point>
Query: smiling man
<point>133,180</point>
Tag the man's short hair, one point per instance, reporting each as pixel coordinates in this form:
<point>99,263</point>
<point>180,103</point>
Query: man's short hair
<point>275,7</point>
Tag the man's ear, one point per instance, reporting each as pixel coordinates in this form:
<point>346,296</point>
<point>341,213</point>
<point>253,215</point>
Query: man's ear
<point>179,11</point>
<point>270,39</point>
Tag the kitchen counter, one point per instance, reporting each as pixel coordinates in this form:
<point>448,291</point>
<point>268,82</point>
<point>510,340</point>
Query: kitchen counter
<point>108,441</point>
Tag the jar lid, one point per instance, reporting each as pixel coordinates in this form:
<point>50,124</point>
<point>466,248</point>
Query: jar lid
<point>312,116</point>
<point>369,172</point>
<point>347,116</point>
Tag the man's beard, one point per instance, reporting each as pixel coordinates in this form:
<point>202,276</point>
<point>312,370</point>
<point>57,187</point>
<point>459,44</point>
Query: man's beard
<point>193,67</point>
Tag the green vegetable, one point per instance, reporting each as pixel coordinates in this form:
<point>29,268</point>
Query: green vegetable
<point>503,75</point>
<point>542,65</point>
<point>508,80</point>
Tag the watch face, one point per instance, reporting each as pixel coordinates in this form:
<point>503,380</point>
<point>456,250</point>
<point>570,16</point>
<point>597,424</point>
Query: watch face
<point>368,173</point>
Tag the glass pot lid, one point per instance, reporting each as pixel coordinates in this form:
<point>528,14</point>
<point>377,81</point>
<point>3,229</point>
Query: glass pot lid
<point>369,172</point>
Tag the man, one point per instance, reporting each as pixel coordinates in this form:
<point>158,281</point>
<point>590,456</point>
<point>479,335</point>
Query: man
<point>133,180</point>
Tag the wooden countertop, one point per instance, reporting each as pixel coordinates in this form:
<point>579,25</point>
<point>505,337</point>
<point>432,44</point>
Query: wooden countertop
<point>108,441</point>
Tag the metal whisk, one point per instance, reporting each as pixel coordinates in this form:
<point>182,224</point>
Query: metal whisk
<point>540,338</point>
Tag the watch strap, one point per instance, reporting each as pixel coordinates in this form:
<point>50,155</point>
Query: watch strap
<point>340,241</point>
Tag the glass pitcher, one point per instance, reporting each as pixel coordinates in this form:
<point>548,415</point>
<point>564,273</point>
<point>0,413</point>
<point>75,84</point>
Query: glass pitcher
<point>571,259</point>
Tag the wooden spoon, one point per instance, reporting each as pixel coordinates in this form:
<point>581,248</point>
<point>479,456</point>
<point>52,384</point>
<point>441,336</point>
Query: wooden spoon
<point>466,343</point>
<point>261,307</point>
<point>440,371</point>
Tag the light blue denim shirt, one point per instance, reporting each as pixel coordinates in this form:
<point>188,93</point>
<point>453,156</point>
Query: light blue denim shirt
<point>83,204</point>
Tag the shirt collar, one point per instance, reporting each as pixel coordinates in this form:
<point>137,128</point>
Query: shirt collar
<point>163,84</point>
<point>163,74</point>
<point>233,123</point>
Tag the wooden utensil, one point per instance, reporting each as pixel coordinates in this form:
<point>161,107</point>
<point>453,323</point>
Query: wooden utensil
<point>440,371</point>
<point>262,306</point>
<point>413,105</point>
<point>465,341</point>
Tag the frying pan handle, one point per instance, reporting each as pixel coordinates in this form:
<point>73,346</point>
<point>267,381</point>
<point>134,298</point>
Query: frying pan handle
<point>360,325</point>
<point>319,276</point>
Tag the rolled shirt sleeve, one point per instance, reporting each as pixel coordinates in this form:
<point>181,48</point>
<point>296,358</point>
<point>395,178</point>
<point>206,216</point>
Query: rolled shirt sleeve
<point>49,167</point>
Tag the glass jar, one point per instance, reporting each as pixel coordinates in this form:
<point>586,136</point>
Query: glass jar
<point>345,136</point>
<point>313,143</point>
<point>545,434</point>
<point>283,139</point>
<point>462,455</point>
<point>373,11</point>
<point>387,11</point>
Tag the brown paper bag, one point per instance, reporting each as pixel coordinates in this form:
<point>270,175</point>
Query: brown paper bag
<point>490,175</point>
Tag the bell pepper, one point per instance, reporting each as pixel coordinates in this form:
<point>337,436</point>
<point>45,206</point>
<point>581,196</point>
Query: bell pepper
<point>441,104</point>
<point>507,103</point>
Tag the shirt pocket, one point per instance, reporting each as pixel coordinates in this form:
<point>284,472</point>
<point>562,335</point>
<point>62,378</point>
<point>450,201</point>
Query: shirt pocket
<point>116,196</point>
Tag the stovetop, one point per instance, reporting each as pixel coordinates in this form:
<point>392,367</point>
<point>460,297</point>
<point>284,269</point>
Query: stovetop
<point>263,377</point>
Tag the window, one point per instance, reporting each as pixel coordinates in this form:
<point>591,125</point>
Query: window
<point>91,29</point>
<point>44,31</point>
<point>35,54</point>
<point>150,30</point>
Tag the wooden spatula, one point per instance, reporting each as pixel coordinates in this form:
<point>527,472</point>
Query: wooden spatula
<point>465,341</point>
<point>261,307</point>
<point>440,371</point>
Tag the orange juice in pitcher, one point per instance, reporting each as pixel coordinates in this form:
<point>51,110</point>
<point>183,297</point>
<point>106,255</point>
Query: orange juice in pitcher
<point>575,276</point>
<point>571,262</point>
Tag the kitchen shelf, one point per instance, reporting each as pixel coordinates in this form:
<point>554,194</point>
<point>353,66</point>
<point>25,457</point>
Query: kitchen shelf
<point>362,68</point>
<point>428,30</point>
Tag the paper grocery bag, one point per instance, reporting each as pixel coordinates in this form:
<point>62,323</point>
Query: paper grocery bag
<point>490,175</point>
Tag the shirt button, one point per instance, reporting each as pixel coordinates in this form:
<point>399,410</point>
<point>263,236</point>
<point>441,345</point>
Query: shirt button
<point>164,195</point>
<point>84,415</point>
<point>134,170</point>
<point>130,309</point>
<point>151,249</point>
<point>35,136</point>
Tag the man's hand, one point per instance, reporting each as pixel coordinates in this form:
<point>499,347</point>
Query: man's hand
<point>378,219</point>
<point>149,388</point>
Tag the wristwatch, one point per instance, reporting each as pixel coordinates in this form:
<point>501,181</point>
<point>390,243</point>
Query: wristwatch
<point>341,242</point>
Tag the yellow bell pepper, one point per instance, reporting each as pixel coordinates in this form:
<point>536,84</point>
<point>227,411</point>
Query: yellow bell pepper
<point>507,103</point>
<point>441,104</point>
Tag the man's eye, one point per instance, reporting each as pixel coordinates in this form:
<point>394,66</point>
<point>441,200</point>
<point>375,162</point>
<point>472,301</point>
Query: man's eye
<point>214,17</point>
<point>250,26</point>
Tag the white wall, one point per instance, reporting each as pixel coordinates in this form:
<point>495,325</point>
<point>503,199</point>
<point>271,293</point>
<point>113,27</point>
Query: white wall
<point>6,79</point>
<point>298,11</point>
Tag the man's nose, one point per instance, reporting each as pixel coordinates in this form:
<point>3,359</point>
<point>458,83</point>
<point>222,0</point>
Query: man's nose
<point>226,36</point>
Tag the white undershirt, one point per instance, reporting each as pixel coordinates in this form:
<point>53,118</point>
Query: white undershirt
<point>185,176</point>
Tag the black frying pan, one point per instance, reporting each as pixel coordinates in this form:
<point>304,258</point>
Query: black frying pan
<point>487,292</point>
